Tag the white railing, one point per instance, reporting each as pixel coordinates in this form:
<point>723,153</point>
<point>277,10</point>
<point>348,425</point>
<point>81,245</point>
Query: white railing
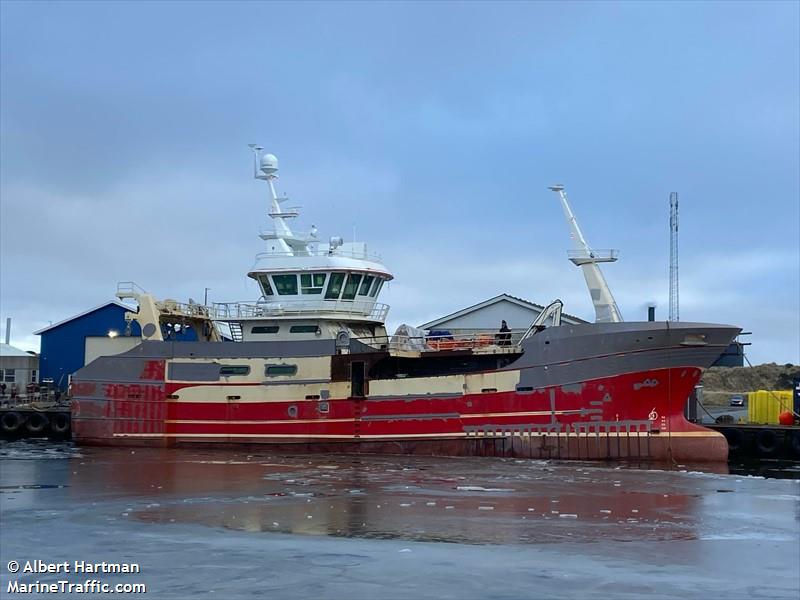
<point>591,256</point>
<point>433,343</point>
<point>173,307</point>
<point>374,311</point>
<point>128,289</point>
<point>328,253</point>
<point>227,311</point>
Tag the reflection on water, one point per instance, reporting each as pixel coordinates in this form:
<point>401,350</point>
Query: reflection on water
<point>452,501</point>
<point>463,500</point>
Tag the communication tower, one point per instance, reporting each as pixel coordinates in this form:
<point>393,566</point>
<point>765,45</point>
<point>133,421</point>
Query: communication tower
<point>674,312</point>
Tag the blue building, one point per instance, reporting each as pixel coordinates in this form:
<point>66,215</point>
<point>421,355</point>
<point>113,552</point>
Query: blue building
<point>70,344</point>
<point>66,345</point>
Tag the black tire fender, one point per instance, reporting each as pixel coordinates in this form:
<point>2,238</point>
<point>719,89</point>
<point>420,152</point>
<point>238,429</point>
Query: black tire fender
<point>767,442</point>
<point>794,444</point>
<point>37,423</point>
<point>735,438</point>
<point>10,422</point>
<point>60,423</point>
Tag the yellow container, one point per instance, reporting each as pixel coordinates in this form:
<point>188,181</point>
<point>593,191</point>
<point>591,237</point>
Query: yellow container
<point>763,407</point>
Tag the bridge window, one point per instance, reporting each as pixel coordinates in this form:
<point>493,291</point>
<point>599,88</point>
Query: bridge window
<point>312,283</point>
<point>365,285</point>
<point>351,287</point>
<point>228,370</point>
<point>265,329</point>
<point>375,287</point>
<point>285,285</point>
<point>280,370</point>
<point>334,286</point>
<point>265,286</point>
<point>303,329</point>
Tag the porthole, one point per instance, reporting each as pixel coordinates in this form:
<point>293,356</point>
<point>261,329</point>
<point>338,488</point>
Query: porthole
<point>292,411</point>
<point>228,370</point>
<point>265,329</point>
<point>303,329</point>
<point>278,370</point>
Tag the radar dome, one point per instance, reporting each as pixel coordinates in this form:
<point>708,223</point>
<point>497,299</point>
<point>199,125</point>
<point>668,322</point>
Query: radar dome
<point>269,164</point>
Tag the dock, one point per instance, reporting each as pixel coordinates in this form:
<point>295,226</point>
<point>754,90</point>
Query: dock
<point>747,441</point>
<point>26,418</point>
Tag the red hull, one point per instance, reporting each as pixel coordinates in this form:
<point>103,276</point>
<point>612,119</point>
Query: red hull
<point>630,416</point>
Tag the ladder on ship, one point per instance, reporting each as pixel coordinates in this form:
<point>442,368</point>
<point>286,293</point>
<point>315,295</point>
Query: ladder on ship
<point>236,330</point>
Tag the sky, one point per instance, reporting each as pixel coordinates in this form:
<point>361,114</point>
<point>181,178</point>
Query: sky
<point>431,129</point>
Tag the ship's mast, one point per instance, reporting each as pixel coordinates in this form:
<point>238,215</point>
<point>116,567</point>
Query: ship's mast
<point>605,307</point>
<point>265,167</point>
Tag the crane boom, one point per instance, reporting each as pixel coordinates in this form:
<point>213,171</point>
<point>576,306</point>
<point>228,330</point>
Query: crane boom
<point>605,307</point>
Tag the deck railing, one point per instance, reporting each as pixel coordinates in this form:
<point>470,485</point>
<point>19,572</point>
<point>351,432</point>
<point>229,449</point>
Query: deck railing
<point>443,342</point>
<point>328,253</point>
<point>374,311</point>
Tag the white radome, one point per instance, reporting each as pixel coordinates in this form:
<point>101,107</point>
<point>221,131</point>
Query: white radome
<point>269,164</point>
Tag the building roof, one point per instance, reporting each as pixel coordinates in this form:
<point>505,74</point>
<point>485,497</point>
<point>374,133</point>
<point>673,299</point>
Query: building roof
<point>84,313</point>
<point>502,297</point>
<point>8,350</point>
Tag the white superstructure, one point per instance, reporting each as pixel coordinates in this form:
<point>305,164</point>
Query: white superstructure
<point>308,288</point>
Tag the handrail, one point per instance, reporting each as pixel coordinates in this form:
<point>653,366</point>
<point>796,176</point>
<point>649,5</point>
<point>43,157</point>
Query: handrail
<point>182,308</point>
<point>234,310</point>
<point>128,288</point>
<point>324,253</point>
<point>607,254</point>
<point>436,343</point>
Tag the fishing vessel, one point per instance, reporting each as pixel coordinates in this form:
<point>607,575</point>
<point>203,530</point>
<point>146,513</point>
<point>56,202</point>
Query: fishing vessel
<point>310,366</point>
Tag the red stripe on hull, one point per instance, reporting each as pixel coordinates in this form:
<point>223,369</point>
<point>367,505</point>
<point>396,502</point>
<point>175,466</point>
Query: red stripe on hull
<point>636,415</point>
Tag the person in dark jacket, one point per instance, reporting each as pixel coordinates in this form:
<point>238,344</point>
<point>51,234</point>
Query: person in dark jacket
<point>504,337</point>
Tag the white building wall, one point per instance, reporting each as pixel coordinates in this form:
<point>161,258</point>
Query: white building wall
<point>18,371</point>
<point>489,318</point>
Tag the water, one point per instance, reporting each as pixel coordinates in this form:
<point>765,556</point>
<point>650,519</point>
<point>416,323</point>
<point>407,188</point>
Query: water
<point>241,524</point>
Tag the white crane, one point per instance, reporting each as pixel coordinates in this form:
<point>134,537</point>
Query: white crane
<point>605,307</point>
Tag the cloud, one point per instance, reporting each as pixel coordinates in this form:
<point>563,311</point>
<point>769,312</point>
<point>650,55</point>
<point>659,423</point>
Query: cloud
<point>433,129</point>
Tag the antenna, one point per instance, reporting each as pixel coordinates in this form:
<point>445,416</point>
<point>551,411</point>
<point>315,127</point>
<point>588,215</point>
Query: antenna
<point>265,167</point>
<point>674,312</point>
<point>256,155</point>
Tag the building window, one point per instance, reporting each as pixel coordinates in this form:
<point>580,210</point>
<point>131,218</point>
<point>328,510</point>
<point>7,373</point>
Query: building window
<point>352,286</point>
<point>8,375</point>
<point>265,329</point>
<point>312,283</point>
<point>364,290</point>
<point>33,375</point>
<point>228,370</point>
<point>285,285</point>
<point>303,329</point>
<point>280,370</point>
<point>334,286</point>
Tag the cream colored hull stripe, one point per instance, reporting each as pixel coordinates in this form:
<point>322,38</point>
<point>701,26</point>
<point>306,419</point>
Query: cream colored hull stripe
<point>539,413</point>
